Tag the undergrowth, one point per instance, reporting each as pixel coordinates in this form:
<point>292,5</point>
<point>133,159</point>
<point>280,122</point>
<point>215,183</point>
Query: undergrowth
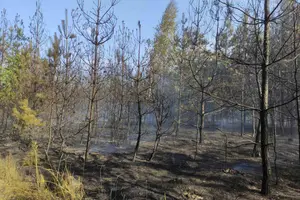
<point>14,184</point>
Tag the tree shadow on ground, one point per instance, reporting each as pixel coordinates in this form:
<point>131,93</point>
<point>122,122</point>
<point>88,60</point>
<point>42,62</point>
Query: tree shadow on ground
<point>172,172</point>
<point>169,174</point>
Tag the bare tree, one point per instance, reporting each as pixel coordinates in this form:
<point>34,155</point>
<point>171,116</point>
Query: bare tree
<point>264,60</point>
<point>141,85</point>
<point>96,27</point>
<point>203,72</point>
<point>296,9</point>
<point>161,104</point>
<point>119,81</point>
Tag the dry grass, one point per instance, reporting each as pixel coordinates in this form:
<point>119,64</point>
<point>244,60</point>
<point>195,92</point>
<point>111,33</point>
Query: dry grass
<point>15,185</point>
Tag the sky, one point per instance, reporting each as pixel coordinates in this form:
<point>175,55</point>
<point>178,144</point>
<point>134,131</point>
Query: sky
<point>149,12</point>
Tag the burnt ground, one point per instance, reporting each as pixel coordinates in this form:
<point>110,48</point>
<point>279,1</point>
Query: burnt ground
<point>175,172</point>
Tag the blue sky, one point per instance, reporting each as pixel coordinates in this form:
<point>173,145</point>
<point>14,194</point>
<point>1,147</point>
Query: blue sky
<point>149,12</point>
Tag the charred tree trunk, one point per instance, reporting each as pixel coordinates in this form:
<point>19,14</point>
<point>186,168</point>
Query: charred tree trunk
<point>50,127</point>
<point>140,116</point>
<point>200,125</point>
<point>179,104</point>
<point>202,112</point>
<point>128,120</point>
<point>197,133</point>
<point>92,99</point>
<point>139,103</point>
<point>156,143</point>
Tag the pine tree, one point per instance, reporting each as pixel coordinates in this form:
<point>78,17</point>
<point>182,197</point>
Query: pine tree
<point>96,28</point>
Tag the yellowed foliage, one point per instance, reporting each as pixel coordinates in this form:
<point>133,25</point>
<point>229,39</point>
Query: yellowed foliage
<point>26,117</point>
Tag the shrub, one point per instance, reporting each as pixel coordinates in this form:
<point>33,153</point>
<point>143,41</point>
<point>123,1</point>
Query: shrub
<point>26,117</point>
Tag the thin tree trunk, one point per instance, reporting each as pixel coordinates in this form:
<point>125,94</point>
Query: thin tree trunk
<point>3,117</point>
<point>119,122</point>
<point>87,118</point>
<point>60,127</point>
<point>253,124</point>
<point>296,79</point>
<point>139,131</point>
<point>50,128</point>
<point>266,169</point>
<point>298,124</point>
<point>53,97</point>
<point>226,149</point>
<point>138,79</point>
<point>255,152</point>
<point>91,114</point>
<point>156,143</point>
<point>202,104</point>
<point>128,120</point>
<point>96,119</point>
<point>275,145</point>
<point>179,104</point>
<point>90,126</point>
<point>242,113</point>
<point>92,101</point>
<point>197,133</point>
<point>5,122</point>
<point>297,108</point>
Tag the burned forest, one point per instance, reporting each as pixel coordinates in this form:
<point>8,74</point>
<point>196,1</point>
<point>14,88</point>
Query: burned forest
<point>205,104</point>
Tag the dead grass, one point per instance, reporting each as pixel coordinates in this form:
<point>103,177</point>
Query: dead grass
<point>14,184</point>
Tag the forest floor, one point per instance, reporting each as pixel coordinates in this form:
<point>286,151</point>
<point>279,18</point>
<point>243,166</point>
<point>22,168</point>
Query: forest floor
<point>175,172</point>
